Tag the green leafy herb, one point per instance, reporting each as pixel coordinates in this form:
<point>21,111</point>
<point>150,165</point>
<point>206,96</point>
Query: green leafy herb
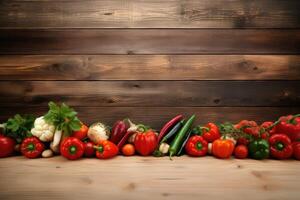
<point>63,118</point>
<point>18,127</point>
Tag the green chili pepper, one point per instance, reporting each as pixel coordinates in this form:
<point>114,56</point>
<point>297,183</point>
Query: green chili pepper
<point>186,138</point>
<point>177,142</point>
<point>259,149</point>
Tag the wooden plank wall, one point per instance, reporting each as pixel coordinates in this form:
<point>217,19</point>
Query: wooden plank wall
<point>150,60</point>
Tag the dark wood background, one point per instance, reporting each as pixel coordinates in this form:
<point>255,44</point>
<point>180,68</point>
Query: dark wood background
<point>150,60</point>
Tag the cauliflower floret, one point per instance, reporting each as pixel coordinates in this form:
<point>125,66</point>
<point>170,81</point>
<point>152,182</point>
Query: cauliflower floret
<point>97,132</point>
<point>43,130</point>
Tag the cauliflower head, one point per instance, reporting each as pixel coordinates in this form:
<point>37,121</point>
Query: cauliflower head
<point>98,132</point>
<point>43,130</point>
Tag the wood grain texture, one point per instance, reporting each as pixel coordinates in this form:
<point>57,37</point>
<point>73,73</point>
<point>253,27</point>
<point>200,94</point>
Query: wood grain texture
<point>150,67</point>
<point>149,14</point>
<point>148,178</point>
<point>151,93</point>
<point>156,117</point>
<point>150,41</point>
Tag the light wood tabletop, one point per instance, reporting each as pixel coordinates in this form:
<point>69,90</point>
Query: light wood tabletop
<point>148,178</point>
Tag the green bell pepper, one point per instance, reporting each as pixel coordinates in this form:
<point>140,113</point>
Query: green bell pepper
<point>259,149</point>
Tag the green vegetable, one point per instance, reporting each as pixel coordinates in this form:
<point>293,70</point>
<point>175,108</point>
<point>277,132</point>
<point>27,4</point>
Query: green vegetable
<point>186,138</point>
<point>259,149</point>
<point>177,142</point>
<point>18,127</point>
<point>63,118</point>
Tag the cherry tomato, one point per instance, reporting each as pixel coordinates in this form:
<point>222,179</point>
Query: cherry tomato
<point>241,152</point>
<point>243,141</point>
<point>128,150</point>
<point>7,146</point>
<point>89,150</point>
<point>82,133</point>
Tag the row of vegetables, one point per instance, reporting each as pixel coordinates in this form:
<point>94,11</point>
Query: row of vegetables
<point>60,131</point>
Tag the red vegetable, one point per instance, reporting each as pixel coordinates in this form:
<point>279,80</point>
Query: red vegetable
<point>241,152</point>
<point>168,126</point>
<point>210,132</point>
<point>145,142</point>
<point>296,150</point>
<point>248,130</point>
<point>280,146</point>
<point>128,150</point>
<point>106,149</point>
<point>196,146</point>
<point>243,141</point>
<point>125,138</point>
<point>249,127</point>
<point>222,148</point>
<point>32,147</point>
<point>72,148</point>
<point>89,150</point>
<point>81,133</point>
<point>7,145</point>
<point>119,129</point>
<point>289,125</point>
<point>266,129</point>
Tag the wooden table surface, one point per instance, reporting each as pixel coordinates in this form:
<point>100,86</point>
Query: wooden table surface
<point>148,178</point>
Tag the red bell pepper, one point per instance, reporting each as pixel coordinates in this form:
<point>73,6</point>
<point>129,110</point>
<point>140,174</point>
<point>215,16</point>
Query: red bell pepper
<point>145,142</point>
<point>222,148</point>
<point>280,146</point>
<point>196,146</point>
<point>32,147</point>
<point>296,150</point>
<point>106,149</point>
<point>119,129</point>
<point>289,125</point>
<point>7,145</point>
<point>210,132</point>
<point>72,148</point>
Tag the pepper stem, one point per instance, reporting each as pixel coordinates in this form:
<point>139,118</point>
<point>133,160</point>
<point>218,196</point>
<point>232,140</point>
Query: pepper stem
<point>99,148</point>
<point>30,147</point>
<point>279,146</point>
<point>142,128</point>
<point>199,146</point>
<point>204,127</point>
<point>72,149</point>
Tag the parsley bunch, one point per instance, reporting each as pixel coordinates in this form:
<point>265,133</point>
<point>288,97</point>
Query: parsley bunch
<point>63,118</point>
<point>18,127</point>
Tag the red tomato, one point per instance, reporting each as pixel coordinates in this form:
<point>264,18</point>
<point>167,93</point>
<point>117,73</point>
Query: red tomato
<point>82,133</point>
<point>7,145</point>
<point>243,141</point>
<point>89,150</point>
<point>241,151</point>
<point>128,150</point>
